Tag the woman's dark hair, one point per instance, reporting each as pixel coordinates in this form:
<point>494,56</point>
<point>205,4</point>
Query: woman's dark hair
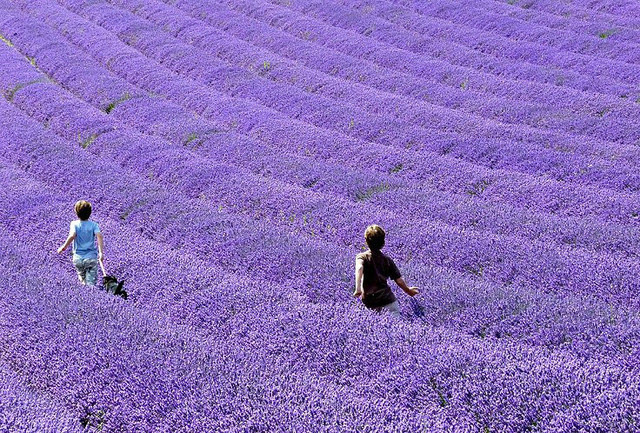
<point>374,236</point>
<point>83,209</point>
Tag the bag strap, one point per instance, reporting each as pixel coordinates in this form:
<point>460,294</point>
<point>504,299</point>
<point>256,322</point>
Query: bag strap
<point>104,272</point>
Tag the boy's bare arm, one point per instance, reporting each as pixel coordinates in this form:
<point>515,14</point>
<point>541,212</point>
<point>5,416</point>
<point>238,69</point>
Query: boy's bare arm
<point>66,244</point>
<point>411,291</point>
<point>359,275</point>
<point>100,239</point>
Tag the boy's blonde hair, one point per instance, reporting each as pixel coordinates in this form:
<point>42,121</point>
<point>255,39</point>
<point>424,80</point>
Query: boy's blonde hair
<point>83,209</point>
<point>374,236</point>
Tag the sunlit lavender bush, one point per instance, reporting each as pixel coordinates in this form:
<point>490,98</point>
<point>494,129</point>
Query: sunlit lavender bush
<point>234,152</point>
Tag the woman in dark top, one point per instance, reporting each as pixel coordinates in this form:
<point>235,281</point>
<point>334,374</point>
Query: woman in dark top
<point>373,268</point>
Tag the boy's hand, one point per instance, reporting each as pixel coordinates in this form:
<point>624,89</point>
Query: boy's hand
<point>413,291</point>
<point>61,249</point>
<point>357,293</point>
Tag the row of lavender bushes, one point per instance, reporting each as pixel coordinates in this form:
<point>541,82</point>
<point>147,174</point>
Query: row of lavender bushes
<point>231,318</point>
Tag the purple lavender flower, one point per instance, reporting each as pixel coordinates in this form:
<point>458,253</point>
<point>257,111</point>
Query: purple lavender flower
<point>234,152</point>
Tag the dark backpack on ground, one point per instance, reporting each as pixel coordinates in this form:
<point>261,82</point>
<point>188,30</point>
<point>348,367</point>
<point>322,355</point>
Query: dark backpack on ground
<point>113,286</point>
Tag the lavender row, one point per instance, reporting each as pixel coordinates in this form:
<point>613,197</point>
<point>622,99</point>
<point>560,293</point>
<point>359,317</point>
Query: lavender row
<point>598,234</point>
<point>567,33</point>
<point>413,63</point>
<point>140,108</point>
<point>589,42</point>
<point>4,116</point>
<point>128,370</point>
<point>489,27</point>
<point>431,375</point>
<point>194,287</point>
<point>451,300</point>
<point>316,141</point>
<point>626,22</point>
<point>403,199</point>
<point>480,43</point>
<point>344,17</point>
<point>234,241</point>
<point>409,204</point>
<point>620,10</point>
<point>309,222</point>
<point>424,116</point>
<point>432,365</point>
<point>134,113</point>
<point>569,18</point>
<point>477,254</point>
<point>394,83</point>
<point>226,82</point>
<point>513,303</point>
<point>623,397</point>
<point>168,370</point>
<point>369,126</point>
<point>382,54</point>
<point>305,52</point>
<point>234,149</point>
<point>266,202</point>
<point>411,109</point>
<point>183,337</point>
<point>23,409</point>
<point>313,139</point>
<point>253,296</point>
<point>614,131</point>
<point>434,31</point>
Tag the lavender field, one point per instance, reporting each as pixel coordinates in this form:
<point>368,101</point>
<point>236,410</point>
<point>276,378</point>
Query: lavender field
<point>235,151</point>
